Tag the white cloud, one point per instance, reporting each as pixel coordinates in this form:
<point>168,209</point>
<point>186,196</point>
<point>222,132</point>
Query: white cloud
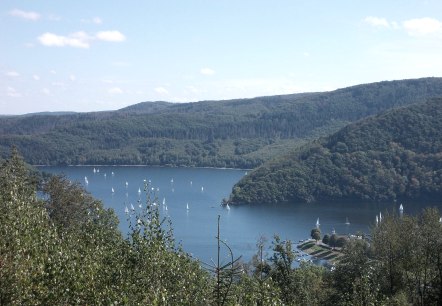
<point>115,91</point>
<point>53,71</point>
<point>72,78</point>
<point>97,20</point>
<point>25,15</point>
<point>36,77</point>
<point>422,26</point>
<point>207,71</point>
<point>11,92</point>
<point>161,90</point>
<point>377,22</point>
<point>111,36</point>
<point>79,39</point>
<point>12,73</point>
<point>76,40</point>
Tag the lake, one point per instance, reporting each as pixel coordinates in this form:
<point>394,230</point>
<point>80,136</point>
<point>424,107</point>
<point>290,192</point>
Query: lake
<point>202,189</point>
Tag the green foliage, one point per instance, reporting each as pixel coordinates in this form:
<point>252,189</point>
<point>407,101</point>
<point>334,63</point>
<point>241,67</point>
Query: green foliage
<point>66,249</point>
<point>236,133</point>
<point>316,234</point>
<point>326,239</point>
<point>396,155</point>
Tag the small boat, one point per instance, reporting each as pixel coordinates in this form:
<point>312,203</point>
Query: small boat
<point>191,183</point>
<point>127,184</point>
<point>347,222</point>
<point>171,181</point>
<point>227,206</point>
<point>95,170</point>
<point>187,206</point>
<point>440,219</point>
<point>401,208</point>
<point>202,189</point>
<point>126,210</point>
<point>132,206</point>
<point>113,174</point>
<point>377,220</point>
<point>380,217</point>
<point>98,170</point>
<point>113,190</point>
<point>105,175</point>
<point>139,190</point>
<point>86,180</point>
<point>317,223</point>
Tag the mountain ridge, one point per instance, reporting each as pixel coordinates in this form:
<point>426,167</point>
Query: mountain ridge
<point>240,133</point>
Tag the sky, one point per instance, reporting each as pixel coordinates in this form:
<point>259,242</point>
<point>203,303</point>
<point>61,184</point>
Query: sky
<point>104,55</point>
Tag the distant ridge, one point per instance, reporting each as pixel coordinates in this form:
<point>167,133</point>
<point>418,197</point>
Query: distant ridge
<point>239,133</point>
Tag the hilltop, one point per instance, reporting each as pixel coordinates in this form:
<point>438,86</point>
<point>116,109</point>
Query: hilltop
<point>241,133</point>
<point>394,155</point>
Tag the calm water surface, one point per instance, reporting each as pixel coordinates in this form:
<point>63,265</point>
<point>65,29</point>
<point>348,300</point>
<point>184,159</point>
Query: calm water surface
<point>202,190</point>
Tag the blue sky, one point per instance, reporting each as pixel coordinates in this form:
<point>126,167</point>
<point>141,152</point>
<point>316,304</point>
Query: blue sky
<point>105,55</point>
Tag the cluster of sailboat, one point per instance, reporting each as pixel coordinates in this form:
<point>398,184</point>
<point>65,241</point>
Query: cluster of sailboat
<point>132,208</point>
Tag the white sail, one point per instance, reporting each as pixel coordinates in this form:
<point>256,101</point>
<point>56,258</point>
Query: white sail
<point>317,222</point>
<point>227,206</point>
<point>113,190</point>
<point>126,210</point>
<point>187,206</point>
<point>347,222</point>
<point>401,208</point>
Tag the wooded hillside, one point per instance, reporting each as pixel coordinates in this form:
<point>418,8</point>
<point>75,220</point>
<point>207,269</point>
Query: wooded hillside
<point>235,133</point>
<point>395,155</point>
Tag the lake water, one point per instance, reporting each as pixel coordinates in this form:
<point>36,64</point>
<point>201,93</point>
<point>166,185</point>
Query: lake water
<point>202,190</point>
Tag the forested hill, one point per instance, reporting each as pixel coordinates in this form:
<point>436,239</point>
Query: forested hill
<point>395,155</point>
<point>233,133</point>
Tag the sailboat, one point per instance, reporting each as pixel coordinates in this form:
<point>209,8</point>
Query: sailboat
<point>132,206</point>
<point>317,223</point>
<point>187,206</point>
<point>127,184</point>
<point>227,206</point>
<point>164,201</point>
<point>126,210</point>
<point>139,190</point>
<point>113,190</point>
<point>377,220</point>
<point>85,180</point>
<point>95,170</point>
<point>202,189</point>
<point>401,208</point>
<point>380,217</point>
<point>346,221</point>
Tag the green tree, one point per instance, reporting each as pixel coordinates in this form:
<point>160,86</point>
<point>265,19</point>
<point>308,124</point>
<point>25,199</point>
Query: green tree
<point>316,234</point>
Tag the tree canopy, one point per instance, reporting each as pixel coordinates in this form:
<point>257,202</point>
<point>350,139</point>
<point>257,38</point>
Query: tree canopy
<point>394,155</point>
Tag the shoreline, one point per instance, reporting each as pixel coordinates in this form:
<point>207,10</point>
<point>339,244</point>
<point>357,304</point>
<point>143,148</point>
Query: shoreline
<point>147,166</point>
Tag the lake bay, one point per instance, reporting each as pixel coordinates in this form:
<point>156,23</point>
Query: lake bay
<point>202,190</point>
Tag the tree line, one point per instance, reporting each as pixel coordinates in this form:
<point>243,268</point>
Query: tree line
<point>158,133</point>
